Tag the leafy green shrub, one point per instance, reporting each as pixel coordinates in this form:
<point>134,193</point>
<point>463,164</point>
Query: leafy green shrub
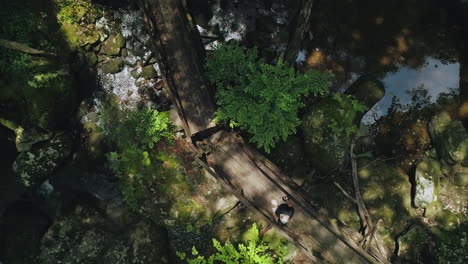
<point>135,134</point>
<point>255,251</point>
<point>260,98</point>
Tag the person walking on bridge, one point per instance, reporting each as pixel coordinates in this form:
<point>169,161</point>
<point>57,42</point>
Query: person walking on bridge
<point>284,212</point>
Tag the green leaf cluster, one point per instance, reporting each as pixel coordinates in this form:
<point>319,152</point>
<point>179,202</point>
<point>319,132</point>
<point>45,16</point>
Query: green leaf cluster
<point>255,251</point>
<point>135,134</point>
<point>337,127</point>
<point>260,98</point>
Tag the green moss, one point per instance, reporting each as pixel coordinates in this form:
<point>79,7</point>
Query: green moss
<point>386,193</point>
<point>447,220</point>
<point>91,59</point>
<point>413,244</point>
<point>113,45</point>
<point>148,72</point>
<point>327,128</point>
<point>367,90</point>
<point>113,66</point>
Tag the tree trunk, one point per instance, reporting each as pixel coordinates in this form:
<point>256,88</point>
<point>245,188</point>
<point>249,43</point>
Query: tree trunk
<point>301,26</point>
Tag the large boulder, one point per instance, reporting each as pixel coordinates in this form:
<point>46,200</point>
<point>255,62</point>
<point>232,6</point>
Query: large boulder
<point>367,90</point>
<point>34,166</point>
<point>113,66</point>
<point>386,192</point>
<point>83,236</point>
<point>450,139</point>
<point>329,124</point>
<point>326,138</point>
<point>427,179</point>
<point>148,72</point>
<point>112,45</point>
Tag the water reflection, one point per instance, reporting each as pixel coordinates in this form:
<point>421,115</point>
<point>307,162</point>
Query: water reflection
<point>410,45</point>
<point>416,86</point>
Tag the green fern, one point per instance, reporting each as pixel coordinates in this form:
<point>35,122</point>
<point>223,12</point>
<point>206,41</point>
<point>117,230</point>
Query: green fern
<point>135,134</point>
<point>255,251</point>
<point>260,98</point>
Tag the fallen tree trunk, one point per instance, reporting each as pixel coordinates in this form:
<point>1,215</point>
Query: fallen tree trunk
<point>181,63</point>
<point>13,45</point>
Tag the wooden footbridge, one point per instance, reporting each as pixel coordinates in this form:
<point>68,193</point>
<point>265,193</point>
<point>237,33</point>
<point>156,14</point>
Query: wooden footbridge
<point>239,167</point>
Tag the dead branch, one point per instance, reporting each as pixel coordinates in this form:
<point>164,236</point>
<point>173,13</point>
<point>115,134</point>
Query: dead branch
<point>344,192</point>
<point>362,211</point>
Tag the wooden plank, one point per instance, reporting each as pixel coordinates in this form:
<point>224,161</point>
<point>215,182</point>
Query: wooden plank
<point>237,167</point>
<point>182,72</point>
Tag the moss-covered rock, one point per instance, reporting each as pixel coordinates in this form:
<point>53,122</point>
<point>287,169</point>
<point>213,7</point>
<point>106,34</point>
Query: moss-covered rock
<point>113,66</point>
<point>83,236</point>
<point>367,90</point>
<point>450,139</point>
<point>94,140</point>
<point>148,72</point>
<point>124,52</point>
<point>413,244</point>
<point>135,73</point>
<point>326,128</point>
<point>91,59</point>
<point>461,177</point>
<point>112,45</point>
<point>34,166</point>
<point>386,192</point>
<point>427,180</point>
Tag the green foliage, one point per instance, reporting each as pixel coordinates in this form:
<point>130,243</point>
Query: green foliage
<point>451,247</point>
<point>135,134</point>
<point>255,251</point>
<point>36,86</point>
<point>260,98</point>
<point>150,126</point>
<point>336,126</point>
<point>17,23</point>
